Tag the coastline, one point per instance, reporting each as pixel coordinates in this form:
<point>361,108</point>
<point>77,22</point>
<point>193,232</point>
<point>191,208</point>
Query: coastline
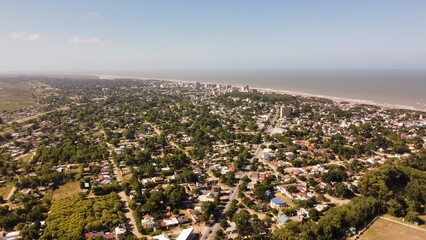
<point>279,91</point>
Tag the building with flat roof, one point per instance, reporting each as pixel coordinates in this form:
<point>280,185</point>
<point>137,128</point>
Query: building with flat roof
<point>186,234</point>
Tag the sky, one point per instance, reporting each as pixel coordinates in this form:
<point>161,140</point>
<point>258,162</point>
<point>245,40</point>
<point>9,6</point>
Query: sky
<point>118,36</point>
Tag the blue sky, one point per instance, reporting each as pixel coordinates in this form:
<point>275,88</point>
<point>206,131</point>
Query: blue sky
<point>108,36</point>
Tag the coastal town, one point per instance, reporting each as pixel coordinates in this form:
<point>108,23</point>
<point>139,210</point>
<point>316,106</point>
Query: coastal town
<point>154,159</point>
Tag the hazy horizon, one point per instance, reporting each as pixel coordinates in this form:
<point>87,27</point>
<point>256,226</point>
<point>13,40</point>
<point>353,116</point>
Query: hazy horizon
<point>391,87</point>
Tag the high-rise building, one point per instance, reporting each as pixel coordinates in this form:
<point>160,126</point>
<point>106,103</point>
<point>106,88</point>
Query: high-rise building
<point>285,111</point>
<point>245,88</point>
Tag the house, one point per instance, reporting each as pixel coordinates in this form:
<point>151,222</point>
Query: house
<point>284,190</point>
<point>119,230</point>
<point>232,228</point>
<point>12,235</point>
<point>193,215</point>
<point>282,219</point>
<point>109,236</point>
<point>169,222</point>
<point>297,218</point>
<point>183,219</point>
<point>324,185</point>
<point>216,188</point>
<point>277,203</point>
<point>260,207</point>
<point>303,212</point>
<point>148,221</point>
<point>122,164</point>
<point>321,207</point>
<point>289,155</point>
<point>209,197</point>
<point>161,237</point>
<point>157,179</point>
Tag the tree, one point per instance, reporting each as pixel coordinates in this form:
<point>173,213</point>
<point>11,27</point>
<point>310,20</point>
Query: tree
<point>341,191</point>
<point>314,214</point>
<point>373,183</point>
<point>242,218</point>
<point>292,189</point>
<point>224,223</point>
<point>334,174</point>
<point>228,178</point>
<point>412,216</point>
<point>129,133</point>
<point>208,209</point>
<point>395,208</point>
<point>260,228</point>
<point>175,195</point>
<point>189,176</point>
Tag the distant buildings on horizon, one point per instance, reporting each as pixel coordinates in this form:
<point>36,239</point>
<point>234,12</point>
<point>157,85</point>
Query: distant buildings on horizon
<point>222,87</point>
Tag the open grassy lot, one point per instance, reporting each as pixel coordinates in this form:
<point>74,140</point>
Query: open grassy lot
<point>67,190</point>
<point>26,157</point>
<point>5,190</point>
<point>15,95</point>
<point>285,198</point>
<point>385,229</point>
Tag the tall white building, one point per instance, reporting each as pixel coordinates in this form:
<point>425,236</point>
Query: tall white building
<point>285,111</point>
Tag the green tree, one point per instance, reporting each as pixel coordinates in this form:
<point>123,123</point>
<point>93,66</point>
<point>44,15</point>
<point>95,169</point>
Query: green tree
<point>412,216</point>
<point>395,208</point>
<point>242,220</point>
<point>314,214</point>
<point>208,209</point>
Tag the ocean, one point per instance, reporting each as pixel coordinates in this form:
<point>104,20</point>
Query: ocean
<point>392,88</point>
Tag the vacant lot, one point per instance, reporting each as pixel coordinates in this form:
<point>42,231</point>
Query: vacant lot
<point>15,95</point>
<point>285,198</point>
<point>384,229</point>
<point>5,190</point>
<point>67,190</point>
<point>26,157</point>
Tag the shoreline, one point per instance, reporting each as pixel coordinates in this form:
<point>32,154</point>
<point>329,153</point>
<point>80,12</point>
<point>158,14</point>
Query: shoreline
<point>278,91</point>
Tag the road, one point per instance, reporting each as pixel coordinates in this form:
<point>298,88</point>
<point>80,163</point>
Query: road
<point>234,195</point>
<point>127,210</point>
<point>216,226</point>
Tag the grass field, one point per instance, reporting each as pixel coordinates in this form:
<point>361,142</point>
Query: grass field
<point>285,198</point>
<point>385,229</point>
<point>66,190</point>
<point>26,157</point>
<point>4,191</point>
<point>15,95</point>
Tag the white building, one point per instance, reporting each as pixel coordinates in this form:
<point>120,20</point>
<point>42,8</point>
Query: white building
<point>186,234</point>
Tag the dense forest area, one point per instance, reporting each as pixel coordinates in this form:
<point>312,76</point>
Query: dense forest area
<point>70,218</point>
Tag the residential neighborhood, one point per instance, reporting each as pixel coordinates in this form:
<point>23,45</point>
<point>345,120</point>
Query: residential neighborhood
<point>151,159</point>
